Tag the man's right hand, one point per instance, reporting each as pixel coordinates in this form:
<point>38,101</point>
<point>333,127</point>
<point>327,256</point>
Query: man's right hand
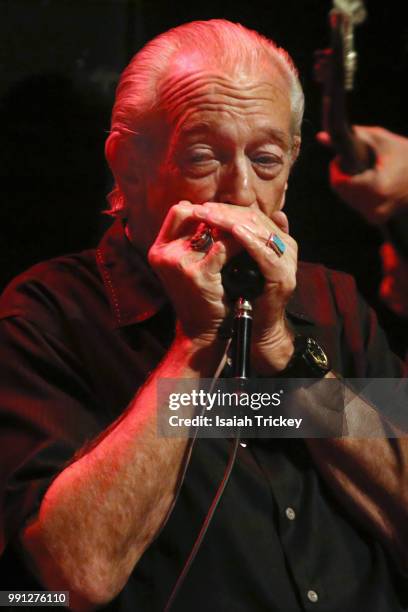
<point>192,279</point>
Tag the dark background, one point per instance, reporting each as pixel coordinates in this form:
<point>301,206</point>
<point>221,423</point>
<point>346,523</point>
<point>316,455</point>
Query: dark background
<point>60,61</point>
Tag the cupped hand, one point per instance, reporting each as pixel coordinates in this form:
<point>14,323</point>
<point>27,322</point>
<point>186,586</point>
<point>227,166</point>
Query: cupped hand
<point>272,344</point>
<point>192,279</point>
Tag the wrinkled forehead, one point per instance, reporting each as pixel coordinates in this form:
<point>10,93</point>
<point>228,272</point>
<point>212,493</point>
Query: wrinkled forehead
<point>188,89</point>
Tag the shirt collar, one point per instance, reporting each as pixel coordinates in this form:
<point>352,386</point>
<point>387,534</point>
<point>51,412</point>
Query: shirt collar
<point>134,291</point>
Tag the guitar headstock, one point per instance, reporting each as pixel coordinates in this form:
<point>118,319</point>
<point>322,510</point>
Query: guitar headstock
<point>344,16</point>
<point>335,68</point>
<point>355,9</point>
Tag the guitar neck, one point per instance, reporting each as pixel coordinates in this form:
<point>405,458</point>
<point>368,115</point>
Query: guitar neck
<point>336,70</point>
<point>355,156</point>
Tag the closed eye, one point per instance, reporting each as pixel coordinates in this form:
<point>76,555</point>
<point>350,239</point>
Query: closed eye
<point>267,160</point>
<point>198,158</point>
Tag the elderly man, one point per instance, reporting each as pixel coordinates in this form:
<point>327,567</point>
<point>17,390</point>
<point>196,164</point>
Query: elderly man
<point>205,129</point>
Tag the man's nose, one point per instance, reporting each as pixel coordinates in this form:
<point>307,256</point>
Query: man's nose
<point>236,184</point>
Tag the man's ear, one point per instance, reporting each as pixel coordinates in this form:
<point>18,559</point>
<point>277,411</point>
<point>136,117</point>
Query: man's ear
<point>124,161</point>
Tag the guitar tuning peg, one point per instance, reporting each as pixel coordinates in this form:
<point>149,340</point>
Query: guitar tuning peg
<point>350,67</point>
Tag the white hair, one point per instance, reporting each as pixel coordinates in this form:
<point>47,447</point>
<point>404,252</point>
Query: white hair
<point>215,42</point>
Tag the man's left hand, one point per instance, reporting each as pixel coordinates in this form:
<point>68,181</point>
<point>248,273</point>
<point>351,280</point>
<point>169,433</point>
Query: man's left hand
<point>272,339</point>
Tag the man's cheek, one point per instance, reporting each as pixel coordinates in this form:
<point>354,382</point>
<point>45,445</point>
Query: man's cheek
<point>282,201</point>
<point>271,200</point>
<point>199,190</point>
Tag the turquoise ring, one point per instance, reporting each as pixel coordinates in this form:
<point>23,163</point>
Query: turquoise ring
<point>276,244</point>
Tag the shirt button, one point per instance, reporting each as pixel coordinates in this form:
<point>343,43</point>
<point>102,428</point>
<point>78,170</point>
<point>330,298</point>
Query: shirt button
<point>312,596</point>
<point>290,514</point>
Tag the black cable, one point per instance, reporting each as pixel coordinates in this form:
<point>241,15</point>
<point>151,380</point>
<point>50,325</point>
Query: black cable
<point>205,525</point>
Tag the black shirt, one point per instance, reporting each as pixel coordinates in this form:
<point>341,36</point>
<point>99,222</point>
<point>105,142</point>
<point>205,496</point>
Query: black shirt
<point>79,335</point>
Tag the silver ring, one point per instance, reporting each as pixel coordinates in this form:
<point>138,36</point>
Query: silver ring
<point>276,244</point>
<point>202,240</point>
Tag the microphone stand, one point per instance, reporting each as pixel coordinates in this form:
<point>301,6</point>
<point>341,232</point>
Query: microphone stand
<point>242,281</point>
<point>241,341</point>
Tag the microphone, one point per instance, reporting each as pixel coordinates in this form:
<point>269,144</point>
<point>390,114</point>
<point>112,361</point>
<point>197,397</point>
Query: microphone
<point>242,278</point>
<point>242,281</point>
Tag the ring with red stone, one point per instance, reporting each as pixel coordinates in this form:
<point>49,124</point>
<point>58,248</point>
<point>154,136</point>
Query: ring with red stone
<point>202,240</point>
